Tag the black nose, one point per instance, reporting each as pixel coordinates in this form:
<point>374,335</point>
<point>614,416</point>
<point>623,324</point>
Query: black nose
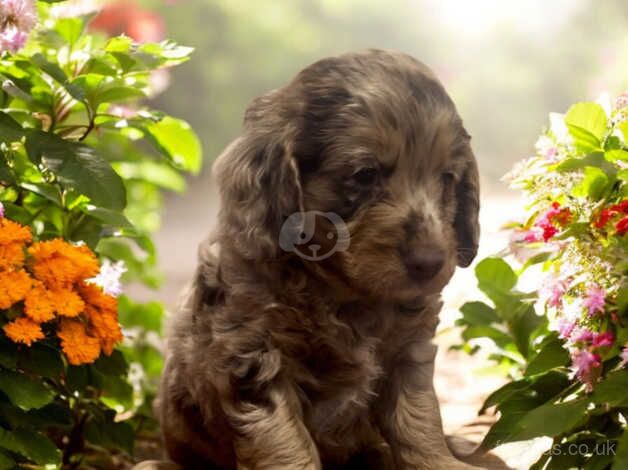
<point>425,264</point>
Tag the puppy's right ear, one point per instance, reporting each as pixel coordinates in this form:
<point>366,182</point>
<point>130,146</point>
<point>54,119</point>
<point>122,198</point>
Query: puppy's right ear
<point>259,187</point>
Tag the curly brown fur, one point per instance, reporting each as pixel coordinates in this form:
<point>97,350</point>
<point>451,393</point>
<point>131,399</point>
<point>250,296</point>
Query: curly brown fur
<point>278,362</point>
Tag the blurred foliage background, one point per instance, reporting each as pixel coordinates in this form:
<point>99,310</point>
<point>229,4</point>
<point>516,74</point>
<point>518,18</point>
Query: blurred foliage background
<point>506,64</point>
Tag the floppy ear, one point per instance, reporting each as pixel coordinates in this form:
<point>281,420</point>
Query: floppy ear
<point>466,222</point>
<point>259,188</point>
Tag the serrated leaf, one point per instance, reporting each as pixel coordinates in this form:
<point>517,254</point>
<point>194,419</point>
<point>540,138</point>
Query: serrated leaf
<point>23,391</point>
<point>78,167</point>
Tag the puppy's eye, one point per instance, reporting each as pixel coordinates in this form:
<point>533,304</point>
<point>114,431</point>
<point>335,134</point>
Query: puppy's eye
<point>366,176</point>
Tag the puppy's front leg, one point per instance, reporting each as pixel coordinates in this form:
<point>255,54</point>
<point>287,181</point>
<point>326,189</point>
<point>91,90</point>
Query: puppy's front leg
<point>409,414</point>
<point>266,415</point>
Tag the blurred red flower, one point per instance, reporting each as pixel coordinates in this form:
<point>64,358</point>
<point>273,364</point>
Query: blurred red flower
<point>128,17</point>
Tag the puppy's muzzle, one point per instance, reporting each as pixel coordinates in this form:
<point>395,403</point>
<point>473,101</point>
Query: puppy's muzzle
<point>424,262</point>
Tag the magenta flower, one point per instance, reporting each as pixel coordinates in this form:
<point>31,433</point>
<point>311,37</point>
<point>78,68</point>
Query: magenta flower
<point>595,299</point>
<point>582,334</point>
<point>17,19</point>
<point>535,234</point>
<point>602,339</point>
<point>586,366</point>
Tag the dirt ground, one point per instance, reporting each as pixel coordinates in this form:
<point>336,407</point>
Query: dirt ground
<point>462,382</point>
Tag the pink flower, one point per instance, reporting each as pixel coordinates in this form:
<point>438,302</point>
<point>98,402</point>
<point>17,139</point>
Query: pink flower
<point>624,356</point>
<point>555,292</point>
<point>586,366</point>
<point>582,334</point>
<point>1,210</point>
<point>565,327</point>
<point>12,39</point>
<point>594,300</point>
<point>19,13</point>
<point>622,100</point>
<point>602,339</point>
<point>17,19</point>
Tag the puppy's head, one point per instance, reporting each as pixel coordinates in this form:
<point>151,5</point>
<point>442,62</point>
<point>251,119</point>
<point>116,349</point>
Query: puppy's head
<point>373,140</point>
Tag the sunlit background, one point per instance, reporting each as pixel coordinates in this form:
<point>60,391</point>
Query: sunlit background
<point>506,65</point>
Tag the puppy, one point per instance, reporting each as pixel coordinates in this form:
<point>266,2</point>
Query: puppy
<point>305,342</point>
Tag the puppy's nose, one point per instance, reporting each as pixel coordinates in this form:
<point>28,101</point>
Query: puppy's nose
<point>425,264</point>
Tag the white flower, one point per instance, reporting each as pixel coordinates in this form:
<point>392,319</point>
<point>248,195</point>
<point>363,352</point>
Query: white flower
<point>109,277</point>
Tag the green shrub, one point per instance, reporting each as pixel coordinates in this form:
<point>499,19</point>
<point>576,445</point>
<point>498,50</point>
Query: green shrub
<point>83,160</point>
<point>557,310</point>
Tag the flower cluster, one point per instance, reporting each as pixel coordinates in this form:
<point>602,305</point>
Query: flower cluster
<point>578,226</point>
<point>17,19</point>
<point>46,290</point>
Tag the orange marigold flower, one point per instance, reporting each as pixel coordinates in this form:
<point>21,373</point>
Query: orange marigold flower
<point>78,346</point>
<point>94,295</point>
<point>102,311</point>
<point>41,304</point>
<point>14,285</point>
<point>60,264</point>
<point>23,330</point>
<point>105,327</point>
<point>11,255</point>
<point>13,232</point>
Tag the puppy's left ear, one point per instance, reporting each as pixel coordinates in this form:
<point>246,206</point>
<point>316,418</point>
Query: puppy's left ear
<point>466,222</point>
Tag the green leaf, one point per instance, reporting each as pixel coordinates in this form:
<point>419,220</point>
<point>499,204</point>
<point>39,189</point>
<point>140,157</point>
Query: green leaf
<point>587,124</point>
<point>110,217</point>
<point>70,29</point>
<point>552,355</point>
<point>45,190</point>
<point>621,457</point>
<point>522,323</point>
<point>78,167</point>
<point>147,315</point>
<point>6,462</point>
<point>616,155</point>
<point>504,393</point>
<point>549,420</point>
<point>176,140</point>
<point>500,338</point>
<point>23,391</point>
<point>33,445</point>
<point>103,431</point>
<point>594,184</point>
<point>10,130</point>
<point>495,274</point>
<point>478,313</point>
<point>114,364</point>
<point>593,159</point>
<point>58,74</point>
<point>41,360</point>
<point>612,390</point>
<point>159,174</point>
